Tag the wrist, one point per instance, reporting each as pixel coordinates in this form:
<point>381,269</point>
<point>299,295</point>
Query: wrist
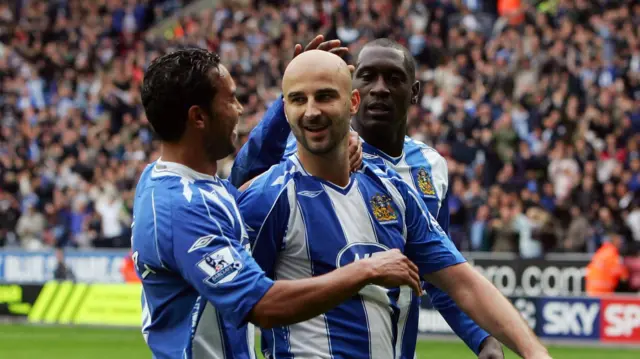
<point>365,271</point>
<point>537,352</point>
<point>489,342</point>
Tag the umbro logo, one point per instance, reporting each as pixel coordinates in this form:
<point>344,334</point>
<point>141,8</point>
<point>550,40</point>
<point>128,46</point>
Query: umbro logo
<point>310,194</point>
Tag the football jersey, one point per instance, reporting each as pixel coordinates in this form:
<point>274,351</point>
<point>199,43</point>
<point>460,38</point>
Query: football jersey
<point>420,166</point>
<point>301,226</point>
<point>199,282</point>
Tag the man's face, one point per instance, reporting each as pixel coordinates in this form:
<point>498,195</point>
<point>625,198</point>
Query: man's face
<point>386,87</point>
<point>319,104</point>
<point>220,129</point>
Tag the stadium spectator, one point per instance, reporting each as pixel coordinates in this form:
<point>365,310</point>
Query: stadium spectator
<point>606,272</point>
<point>545,105</point>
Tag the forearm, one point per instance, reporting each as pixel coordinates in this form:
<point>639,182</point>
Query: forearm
<point>462,325</point>
<point>293,301</point>
<point>489,308</point>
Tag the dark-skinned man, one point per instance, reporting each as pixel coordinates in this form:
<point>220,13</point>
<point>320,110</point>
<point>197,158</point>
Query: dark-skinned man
<point>385,77</point>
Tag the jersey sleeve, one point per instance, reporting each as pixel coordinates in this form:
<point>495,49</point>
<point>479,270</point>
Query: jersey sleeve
<point>431,249</point>
<point>428,246</point>
<point>211,259</point>
<point>266,215</point>
<point>461,324</point>
<point>443,214</point>
<point>265,146</point>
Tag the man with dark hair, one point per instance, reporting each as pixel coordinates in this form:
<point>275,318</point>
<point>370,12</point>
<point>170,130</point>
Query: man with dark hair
<point>200,286</point>
<point>385,77</point>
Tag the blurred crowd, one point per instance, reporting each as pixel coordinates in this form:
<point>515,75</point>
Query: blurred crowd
<point>537,113</point>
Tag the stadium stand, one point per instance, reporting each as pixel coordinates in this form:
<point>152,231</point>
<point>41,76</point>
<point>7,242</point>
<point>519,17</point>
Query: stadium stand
<point>538,114</point>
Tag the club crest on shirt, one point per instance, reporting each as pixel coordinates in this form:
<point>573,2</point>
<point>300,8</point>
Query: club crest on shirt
<point>424,183</point>
<point>382,208</point>
<point>220,266</point>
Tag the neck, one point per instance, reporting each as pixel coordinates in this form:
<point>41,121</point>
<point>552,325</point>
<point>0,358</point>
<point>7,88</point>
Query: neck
<point>188,156</point>
<point>332,166</point>
<point>391,143</point>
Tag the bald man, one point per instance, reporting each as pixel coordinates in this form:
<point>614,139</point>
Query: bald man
<point>310,215</point>
<point>189,235</point>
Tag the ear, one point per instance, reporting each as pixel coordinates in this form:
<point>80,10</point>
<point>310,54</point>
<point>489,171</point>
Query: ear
<point>355,102</point>
<point>196,117</point>
<point>415,91</point>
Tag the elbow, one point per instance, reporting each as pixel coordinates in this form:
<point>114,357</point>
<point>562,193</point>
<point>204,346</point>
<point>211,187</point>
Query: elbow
<point>263,321</point>
<point>267,316</point>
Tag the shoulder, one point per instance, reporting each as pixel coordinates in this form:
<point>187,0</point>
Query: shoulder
<point>386,176</point>
<point>412,146</point>
<point>270,185</point>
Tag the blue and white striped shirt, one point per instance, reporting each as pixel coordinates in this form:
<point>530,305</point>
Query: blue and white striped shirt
<point>301,226</point>
<point>199,282</point>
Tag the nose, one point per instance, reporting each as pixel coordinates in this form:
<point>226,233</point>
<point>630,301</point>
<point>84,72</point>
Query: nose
<point>239,108</point>
<point>312,110</point>
<point>380,88</point>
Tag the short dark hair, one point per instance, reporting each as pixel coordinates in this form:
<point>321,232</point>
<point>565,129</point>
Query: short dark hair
<point>172,84</point>
<point>409,61</point>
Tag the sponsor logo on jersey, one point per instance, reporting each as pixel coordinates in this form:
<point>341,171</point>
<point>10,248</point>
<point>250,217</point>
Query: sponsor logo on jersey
<point>424,182</point>
<point>201,242</point>
<point>357,251</point>
<point>220,266</point>
<point>382,208</point>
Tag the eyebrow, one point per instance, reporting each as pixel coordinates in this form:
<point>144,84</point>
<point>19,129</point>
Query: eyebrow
<point>384,67</point>
<point>322,91</point>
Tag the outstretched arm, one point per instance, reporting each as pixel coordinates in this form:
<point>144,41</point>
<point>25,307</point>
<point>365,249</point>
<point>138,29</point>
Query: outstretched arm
<point>462,325</point>
<point>489,308</point>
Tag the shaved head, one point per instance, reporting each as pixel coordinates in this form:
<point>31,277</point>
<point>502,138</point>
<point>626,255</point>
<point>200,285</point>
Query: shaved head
<point>319,100</point>
<point>317,63</point>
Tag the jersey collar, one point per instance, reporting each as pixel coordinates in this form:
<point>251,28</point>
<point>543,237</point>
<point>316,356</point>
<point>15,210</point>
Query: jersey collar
<point>165,168</point>
<point>368,149</point>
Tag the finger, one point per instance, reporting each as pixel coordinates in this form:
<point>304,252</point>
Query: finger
<point>329,45</point>
<point>416,285</point>
<point>358,165</point>
<point>412,266</point>
<point>356,161</point>
<point>352,68</point>
<point>314,43</point>
<point>340,51</point>
<point>297,50</point>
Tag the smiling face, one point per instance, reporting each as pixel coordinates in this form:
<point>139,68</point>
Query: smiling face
<point>319,101</point>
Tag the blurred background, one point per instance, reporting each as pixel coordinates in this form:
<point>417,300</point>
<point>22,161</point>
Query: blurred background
<point>534,104</point>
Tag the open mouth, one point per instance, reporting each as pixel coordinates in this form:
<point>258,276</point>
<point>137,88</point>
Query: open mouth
<point>316,129</point>
<point>379,108</point>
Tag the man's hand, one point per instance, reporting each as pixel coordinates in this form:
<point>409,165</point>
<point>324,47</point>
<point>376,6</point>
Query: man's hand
<point>355,151</point>
<point>391,269</point>
<point>318,43</point>
<point>491,349</point>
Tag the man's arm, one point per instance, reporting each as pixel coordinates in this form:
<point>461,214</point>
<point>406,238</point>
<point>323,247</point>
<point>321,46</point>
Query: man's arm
<point>488,307</point>
<point>439,263</point>
<point>460,323</point>
<point>292,301</point>
<point>209,257</point>
<point>265,146</point>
